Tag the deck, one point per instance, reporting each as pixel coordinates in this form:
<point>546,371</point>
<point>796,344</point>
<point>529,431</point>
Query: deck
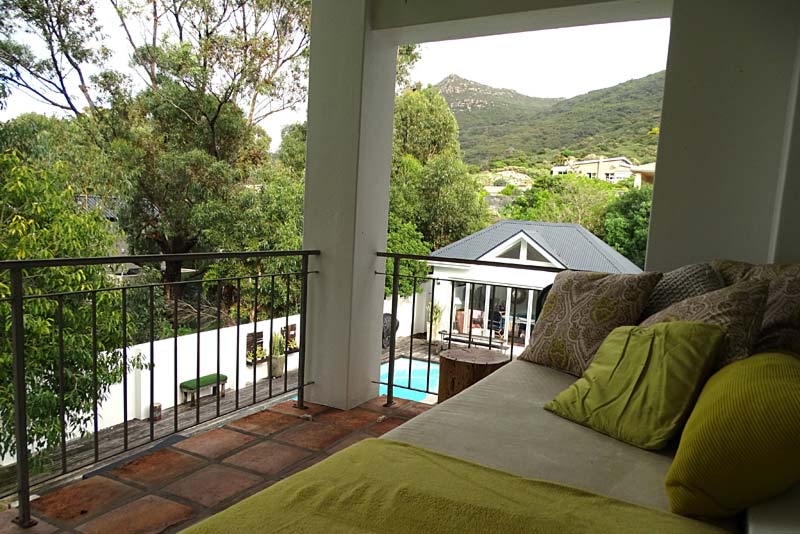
<point>111,441</point>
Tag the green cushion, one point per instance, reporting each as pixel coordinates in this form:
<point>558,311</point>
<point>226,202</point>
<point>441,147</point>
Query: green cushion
<point>643,381</point>
<point>205,381</point>
<point>741,444</point>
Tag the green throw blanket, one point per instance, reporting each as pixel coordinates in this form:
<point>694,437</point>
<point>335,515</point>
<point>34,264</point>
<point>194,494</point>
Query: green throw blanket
<point>381,486</point>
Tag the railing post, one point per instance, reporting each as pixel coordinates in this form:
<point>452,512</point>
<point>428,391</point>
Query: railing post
<point>301,366</point>
<point>20,404</point>
<point>392,333</point>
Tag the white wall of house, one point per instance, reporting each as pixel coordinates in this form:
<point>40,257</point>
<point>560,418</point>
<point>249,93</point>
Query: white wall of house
<point>404,312</point>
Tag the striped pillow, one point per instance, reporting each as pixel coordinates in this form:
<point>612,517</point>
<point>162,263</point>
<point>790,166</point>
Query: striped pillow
<point>740,445</point>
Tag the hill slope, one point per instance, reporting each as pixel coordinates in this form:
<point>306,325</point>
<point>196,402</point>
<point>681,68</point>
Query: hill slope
<point>611,121</point>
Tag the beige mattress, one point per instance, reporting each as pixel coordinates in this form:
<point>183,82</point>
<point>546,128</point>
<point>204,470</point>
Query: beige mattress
<point>500,423</point>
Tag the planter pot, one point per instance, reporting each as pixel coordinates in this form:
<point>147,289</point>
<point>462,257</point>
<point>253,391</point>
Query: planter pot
<point>278,363</point>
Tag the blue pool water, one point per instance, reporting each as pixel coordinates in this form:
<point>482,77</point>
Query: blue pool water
<point>419,380</point>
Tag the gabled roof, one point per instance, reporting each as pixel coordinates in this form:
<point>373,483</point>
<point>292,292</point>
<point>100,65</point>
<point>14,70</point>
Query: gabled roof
<point>572,245</point>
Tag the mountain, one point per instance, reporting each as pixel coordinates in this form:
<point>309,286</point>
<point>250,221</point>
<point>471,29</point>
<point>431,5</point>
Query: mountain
<point>498,123</point>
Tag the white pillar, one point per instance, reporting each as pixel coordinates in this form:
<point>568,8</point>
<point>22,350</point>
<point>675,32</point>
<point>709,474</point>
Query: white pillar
<point>507,326</point>
<point>466,324</point>
<point>725,132</point>
<point>528,317</point>
<point>351,98</point>
<point>486,308</point>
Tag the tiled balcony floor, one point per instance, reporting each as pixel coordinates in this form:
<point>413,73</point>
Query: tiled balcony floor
<point>169,488</point>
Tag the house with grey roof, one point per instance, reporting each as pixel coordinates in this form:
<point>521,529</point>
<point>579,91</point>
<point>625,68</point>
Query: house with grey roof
<point>479,298</point>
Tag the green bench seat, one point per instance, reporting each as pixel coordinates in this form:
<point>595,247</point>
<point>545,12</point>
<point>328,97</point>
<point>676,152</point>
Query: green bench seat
<point>191,387</point>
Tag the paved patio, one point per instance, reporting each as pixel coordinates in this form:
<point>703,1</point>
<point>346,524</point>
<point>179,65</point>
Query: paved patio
<point>170,487</point>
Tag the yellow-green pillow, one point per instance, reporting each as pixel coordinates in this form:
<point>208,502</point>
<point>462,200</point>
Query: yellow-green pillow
<point>641,384</point>
<point>741,444</point>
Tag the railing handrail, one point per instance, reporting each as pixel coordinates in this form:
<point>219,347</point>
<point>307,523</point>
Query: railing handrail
<point>150,258</point>
<point>17,300</point>
<point>462,261</point>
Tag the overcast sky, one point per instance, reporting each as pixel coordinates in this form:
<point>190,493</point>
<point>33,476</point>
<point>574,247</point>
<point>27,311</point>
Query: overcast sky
<point>551,63</point>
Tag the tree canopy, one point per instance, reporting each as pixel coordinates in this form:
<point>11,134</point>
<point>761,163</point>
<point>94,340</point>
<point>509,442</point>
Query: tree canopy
<point>42,220</point>
<point>627,221</point>
<point>564,198</point>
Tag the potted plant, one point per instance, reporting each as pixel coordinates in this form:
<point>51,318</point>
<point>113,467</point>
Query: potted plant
<point>259,357</point>
<point>278,355</point>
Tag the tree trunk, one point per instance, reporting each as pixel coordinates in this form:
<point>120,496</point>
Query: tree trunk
<point>462,367</point>
<point>172,273</point>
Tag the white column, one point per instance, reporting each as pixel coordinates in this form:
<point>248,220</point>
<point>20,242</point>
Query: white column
<point>725,132</point>
<point>528,317</point>
<point>507,326</point>
<point>351,97</point>
<point>486,308</point>
<point>466,325</point>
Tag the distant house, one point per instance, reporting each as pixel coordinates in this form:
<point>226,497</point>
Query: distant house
<point>609,169</point>
<point>490,309</point>
<point>644,174</point>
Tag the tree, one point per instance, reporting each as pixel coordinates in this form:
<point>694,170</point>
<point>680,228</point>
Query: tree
<point>450,205</point>
<point>174,168</point>
<point>292,152</point>
<point>42,220</point>
<point>46,141</point>
<point>431,187</point>
<point>627,223</point>
<point>253,53</point>
<point>403,238</point>
<point>564,198</point>
<point>407,57</point>
<point>61,46</point>
<point>423,125</point>
<point>266,214</point>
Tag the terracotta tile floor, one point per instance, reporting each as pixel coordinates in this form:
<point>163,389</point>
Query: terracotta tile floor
<point>172,487</point>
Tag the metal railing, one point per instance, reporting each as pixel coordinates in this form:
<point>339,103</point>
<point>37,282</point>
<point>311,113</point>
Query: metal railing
<point>491,320</point>
<point>81,437</point>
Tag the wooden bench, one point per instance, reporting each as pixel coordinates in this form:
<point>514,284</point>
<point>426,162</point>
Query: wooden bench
<point>190,387</point>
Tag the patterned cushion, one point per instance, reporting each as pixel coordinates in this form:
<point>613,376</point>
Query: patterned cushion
<point>781,327</point>
<point>682,283</point>
<point>580,312</point>
<point>739,308</point>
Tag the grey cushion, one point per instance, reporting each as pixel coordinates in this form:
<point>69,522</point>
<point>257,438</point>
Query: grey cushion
<point>500,422</point>
<point>682,283</point>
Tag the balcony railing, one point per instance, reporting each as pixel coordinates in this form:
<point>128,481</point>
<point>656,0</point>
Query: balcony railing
<point>496,311</point>
<point>109,368</point>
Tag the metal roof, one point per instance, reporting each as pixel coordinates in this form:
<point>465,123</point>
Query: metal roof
<point>572,245</point>
<point>107,206</point>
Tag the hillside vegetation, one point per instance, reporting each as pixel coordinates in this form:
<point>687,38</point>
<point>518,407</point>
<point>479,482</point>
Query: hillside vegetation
<point>501,124</point>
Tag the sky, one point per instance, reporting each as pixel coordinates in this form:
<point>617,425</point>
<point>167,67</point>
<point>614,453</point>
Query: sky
<point>549,63</point>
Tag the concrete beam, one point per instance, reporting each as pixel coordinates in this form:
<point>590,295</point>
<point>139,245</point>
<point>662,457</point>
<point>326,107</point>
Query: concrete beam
<point>417,21</point>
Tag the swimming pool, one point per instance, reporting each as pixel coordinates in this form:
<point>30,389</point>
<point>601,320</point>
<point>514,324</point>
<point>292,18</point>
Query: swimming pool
<point>419,372</point>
